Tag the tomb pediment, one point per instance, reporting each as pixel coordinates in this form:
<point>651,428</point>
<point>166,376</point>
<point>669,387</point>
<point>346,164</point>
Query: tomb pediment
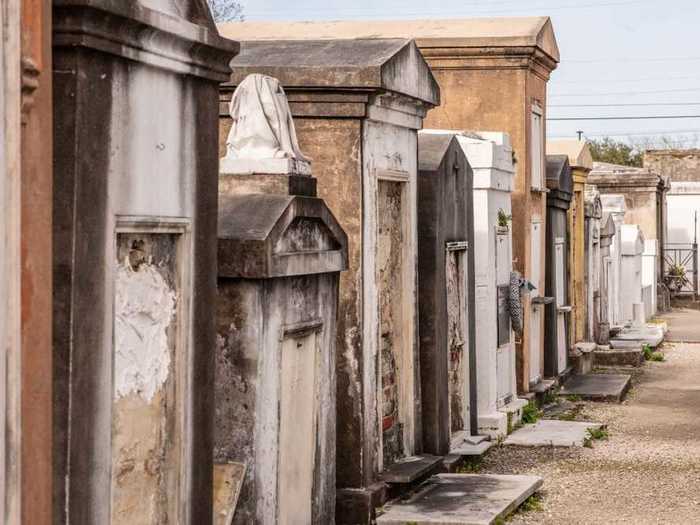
<point>263,236</point>
<point>393,65</point>
<point>559,180</point>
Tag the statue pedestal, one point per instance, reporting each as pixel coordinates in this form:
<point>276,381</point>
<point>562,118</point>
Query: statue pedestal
<point>286,166</point>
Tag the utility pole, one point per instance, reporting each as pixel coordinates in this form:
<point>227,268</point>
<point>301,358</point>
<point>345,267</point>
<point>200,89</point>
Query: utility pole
<point>580,134</point>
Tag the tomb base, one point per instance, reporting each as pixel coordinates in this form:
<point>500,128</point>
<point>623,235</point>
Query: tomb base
<point>359,506</point>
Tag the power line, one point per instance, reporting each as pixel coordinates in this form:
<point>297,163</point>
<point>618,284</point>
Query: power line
<point>589,80</point>
<point>652,117</point>
<point>516,7</point>
<point>624,105</point>
<point>630,59</point>
<point>658,133</point>
<point>626,93</point>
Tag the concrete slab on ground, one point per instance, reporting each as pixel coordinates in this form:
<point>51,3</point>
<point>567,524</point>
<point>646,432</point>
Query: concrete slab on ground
<point>636,336</point>
<point>462,499</point>
<point>552,433</point>
<point>598,387</point>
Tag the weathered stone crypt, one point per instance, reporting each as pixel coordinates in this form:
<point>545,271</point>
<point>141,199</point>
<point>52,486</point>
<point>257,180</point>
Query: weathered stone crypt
<point>357,106</point>
<point>557,312</point>
<point>135,190</point>
<point>491,158</point>
<point>500,64</point>
<point>446,293</point>
<point>280,253</point>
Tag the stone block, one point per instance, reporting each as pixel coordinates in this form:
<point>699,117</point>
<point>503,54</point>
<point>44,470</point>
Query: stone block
<point>553,433</point>
<point>597,387</point>
<point>462,499</point>
<point>619,357</point>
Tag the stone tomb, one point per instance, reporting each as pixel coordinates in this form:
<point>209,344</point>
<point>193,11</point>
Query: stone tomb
<point>357,106</point>
<point>581,163</point>
<point>446,293</point>
<point>491,158</point>
<point>614,206</point>
<point>135,192</point>
<point>632,248</point>
<point>280,253</point>
<point>593,214</point>
<point>499,64</point>
<point>607,234</point>
<point>645,198</point>
<point>560,185</point>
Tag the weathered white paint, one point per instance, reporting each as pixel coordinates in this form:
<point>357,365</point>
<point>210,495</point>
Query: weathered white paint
<point>10,154</point>
<point>535,326</point>
<point>537,150</point>
<point>561,316</point>
<point>649,265</point>
<point>390,152</point>
<point>144,309</point>
<point>491,158</point>
<point>632,247</point>
<point>297,443</point>
<point>615,206</point>
<point>458,335</point>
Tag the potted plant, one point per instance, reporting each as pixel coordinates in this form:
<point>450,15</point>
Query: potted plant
<point>676,278</point>
<point>503,224</point>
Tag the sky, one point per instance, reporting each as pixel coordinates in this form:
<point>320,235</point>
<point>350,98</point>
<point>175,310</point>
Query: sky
<point>641,53</point>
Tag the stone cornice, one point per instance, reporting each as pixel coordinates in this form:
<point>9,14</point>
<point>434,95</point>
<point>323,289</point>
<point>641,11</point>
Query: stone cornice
<point>137,33</point>
<point>530,58</point>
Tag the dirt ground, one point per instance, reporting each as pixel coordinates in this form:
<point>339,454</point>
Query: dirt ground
<point>647,471</point>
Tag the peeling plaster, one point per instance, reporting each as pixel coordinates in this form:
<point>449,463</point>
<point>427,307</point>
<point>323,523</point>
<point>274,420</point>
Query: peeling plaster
<point>144,310</point>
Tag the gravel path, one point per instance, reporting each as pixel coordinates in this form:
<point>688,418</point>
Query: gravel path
<point>648,471</point>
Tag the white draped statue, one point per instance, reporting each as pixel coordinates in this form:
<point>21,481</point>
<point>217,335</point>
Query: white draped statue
<point>263,130</point>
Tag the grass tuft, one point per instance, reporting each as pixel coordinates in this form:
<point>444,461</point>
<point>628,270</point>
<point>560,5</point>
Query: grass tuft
<point>531,413</point>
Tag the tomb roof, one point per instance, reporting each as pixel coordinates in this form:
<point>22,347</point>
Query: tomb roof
<point>578,151</point>
<point>432,147</point>
<point>559,174</point>
<point>391,64</point>
<point>455,33</point>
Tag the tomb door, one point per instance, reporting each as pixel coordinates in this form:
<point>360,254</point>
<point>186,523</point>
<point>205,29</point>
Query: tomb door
<point>457,340</point>
<point>560,283</point>
<point>297,434</point>
<point>535,325</point>
<point>395,284</point>
<point>149,411</point>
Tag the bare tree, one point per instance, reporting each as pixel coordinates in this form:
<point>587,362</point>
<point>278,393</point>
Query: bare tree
<point>226,10</point>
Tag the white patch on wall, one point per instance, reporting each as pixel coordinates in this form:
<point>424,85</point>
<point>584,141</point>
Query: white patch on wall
<point>144,309</point>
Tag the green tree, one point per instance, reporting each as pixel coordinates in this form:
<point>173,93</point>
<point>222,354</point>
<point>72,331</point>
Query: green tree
<point>226,10</point>
<point>615,152</point>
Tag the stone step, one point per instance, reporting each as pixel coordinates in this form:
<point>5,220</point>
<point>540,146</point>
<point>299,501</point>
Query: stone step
<point>618,357</point>
<point>410,469</point>
<point>462,499</point>
<point>598,387</point>
<point>552,433</point>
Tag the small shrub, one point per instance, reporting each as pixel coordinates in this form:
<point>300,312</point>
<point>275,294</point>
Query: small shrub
<point>598,433</point>
<point>573,398</point>
<point>470,465</point>
<point>532,504</point>
<point>531,413</point>
<point>657,356</point>
<point>503,218</point>
<point>550,397</point>
<point>647,351</point>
